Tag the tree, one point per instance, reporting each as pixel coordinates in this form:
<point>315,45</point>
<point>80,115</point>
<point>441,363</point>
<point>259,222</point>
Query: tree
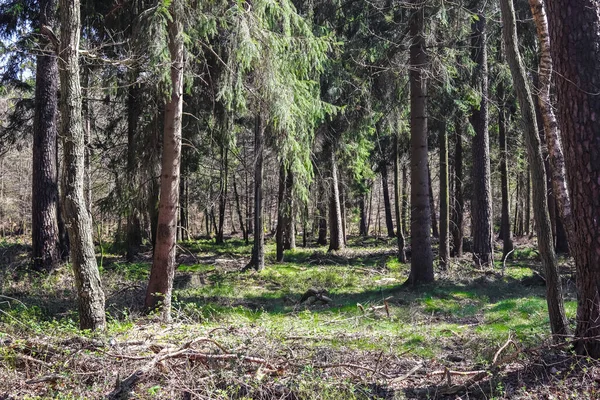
<point>44,208</point>
<point>162,273</point>
<point>575,48</point>
<point>554,297</point>
<point>505,229</point>
<point>444,247</point>
<point>336,230</point>
<point>397,201</point>
<point>481,206</point>
<point>78,220</point>
<point>457,223</point>
<point>554,143</point>
<point>421,263</point>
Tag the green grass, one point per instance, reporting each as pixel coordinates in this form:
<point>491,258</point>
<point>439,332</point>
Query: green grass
<point>461,313</point>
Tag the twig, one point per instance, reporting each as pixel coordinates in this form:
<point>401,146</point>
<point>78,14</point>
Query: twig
<point>354,366</point>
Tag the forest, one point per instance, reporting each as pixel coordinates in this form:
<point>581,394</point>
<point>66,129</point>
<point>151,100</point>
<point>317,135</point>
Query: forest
<point>286,199</point>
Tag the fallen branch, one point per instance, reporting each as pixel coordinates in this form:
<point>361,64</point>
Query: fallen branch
<point>479,375</point>
<point>345,365</point>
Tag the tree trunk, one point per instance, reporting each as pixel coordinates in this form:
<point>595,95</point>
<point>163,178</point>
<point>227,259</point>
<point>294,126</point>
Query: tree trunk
<point>434,225</point>
<point>553,141</point>
<point>421,264</point>
<point>134,228</point>
<point>281,214</point>
<point>322,214</point>
<point>258,250</point>
<point>78,220</point>
<point>238,207</point>
<point>444,246</point>
<point>363,214</point>
<point>554,298</point>
<point>184,208</point>
<point>527,218</point>
<point>459,202</point>
<point>289,238</point>
<point>336,241</point>
<point>481,210</point>
<point>44,181</point>
<point>405,201</point>
<point>160,286</point>
<point>575,45</point>
<point>398,201</point>
<point>389,222</point>
<point>505,230</point>
<point>517,224</point>
<point>224,172</point>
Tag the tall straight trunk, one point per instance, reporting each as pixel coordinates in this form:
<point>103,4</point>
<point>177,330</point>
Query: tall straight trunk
<point>517,206</point>
<point>389,222</point>
<point>258,249</point>
<point>505,230</point>
<point>481,212</point>
<point>281,214</point>
<point>444,246</point>
<point>134,228</point>
<point>289,238</point>
<point>224,172</point>
<point>249,214</point>
<point>405,201</point>
<point>160,285</point>
<point>183,208</point>
<point>554,297</point>
<point>336,230</point>
<point>238,207</point>
<point>44,181</point>
<point>553,140</point>
<point>398,201</point>
<point>575,46</point>
<point>363,214</point>
<point>322,214</point>
<point>527,218</point>
<point>421,263</point>
<point>87,133</point>
<point>434,224</point>
<point>78,219</point>
<point>457,224</point>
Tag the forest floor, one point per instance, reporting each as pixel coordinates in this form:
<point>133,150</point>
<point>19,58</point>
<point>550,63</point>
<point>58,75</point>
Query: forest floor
<point>472,334</point>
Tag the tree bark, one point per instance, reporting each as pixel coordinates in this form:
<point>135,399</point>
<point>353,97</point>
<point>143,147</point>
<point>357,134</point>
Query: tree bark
<point>481,210</point>
<point>223,185</point>
<point>553,141</point>
<point>434,224</point>
<point>405,202</point>
<point>575,45</point>
<point>505,229</point>
<point>322,214</point>
<point>421,264</point>
<point>44,181</point>
<point>398,201</point>
<point>457,223</point>
<point>554,297</point>
<point>389,222</point>
<point>444,245</point>
<point>281,215</point>
<point>238,207</point>
<point>78,219</point>
<point>363,214</point>
<point>336,240</point>
<point>134,228</point>
<point>160,286</point>
<point>258,249</point>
